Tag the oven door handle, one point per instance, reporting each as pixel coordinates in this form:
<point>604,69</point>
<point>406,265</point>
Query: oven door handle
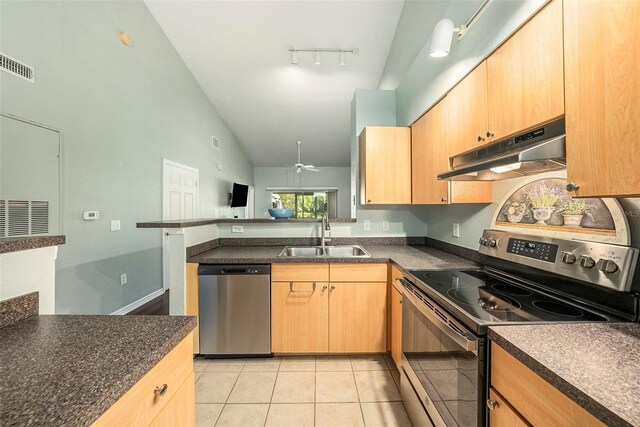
<point>462,340</point>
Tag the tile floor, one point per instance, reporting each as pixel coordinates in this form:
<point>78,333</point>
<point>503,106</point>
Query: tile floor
<point>332,391</point>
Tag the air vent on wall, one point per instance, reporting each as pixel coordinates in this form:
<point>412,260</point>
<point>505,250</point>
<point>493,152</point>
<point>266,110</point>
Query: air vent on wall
<point>16,68</point>
<point>23,217</point>
<point>3,218</point>
<point>215,142</point>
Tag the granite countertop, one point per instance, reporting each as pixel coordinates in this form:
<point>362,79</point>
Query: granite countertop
<point>407,257</point>
<point>186,223</point>
<point>15,244</point>
<point>68,370</point>
<point>595,364</point>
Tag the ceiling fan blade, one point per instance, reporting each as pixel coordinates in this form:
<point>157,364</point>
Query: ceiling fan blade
<point>312,169</point>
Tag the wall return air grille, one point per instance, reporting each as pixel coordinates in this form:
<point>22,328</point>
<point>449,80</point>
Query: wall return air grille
<point>23,217</point>
<point>17,68</point>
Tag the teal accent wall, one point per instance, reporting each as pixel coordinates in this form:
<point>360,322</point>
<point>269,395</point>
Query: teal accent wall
<point>120,110</point>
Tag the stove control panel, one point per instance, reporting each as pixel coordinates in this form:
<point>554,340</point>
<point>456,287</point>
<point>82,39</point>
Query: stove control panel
<point>533,249</point>
<point>611,266</point>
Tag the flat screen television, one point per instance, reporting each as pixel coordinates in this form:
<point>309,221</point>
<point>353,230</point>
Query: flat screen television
<point>239,195</point>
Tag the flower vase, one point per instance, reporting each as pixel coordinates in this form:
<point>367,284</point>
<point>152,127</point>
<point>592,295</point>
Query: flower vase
<point>515,218</point>
<point>572,220</point>
<point>542,214</point>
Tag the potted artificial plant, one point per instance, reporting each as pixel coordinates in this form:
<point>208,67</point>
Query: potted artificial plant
<point>574,210</point>
<point>543,199</point>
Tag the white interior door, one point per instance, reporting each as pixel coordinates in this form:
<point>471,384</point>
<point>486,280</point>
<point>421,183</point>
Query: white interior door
<point>249,211</point>
<point>180,201</point>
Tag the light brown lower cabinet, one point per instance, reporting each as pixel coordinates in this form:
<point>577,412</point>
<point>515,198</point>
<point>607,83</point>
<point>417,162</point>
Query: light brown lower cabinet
<point>502,414</point>
<point>358,317</point>
<point>530,399</point>
<point>319,316</point>
<point>299,317</point>
<point>144,405</point>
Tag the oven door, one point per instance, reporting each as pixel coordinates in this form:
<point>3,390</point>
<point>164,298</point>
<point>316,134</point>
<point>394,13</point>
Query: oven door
<point>443,360</point>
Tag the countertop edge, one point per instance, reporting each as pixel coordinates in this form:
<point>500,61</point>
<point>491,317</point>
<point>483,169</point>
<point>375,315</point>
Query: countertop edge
<point>16,244</point>
<point>576,395</point>
<point>205,221</point>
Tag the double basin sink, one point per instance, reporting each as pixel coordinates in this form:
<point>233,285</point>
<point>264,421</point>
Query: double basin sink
<point>342,251</point>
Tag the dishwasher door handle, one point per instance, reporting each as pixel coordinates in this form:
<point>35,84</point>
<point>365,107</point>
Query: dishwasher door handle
<point>313,289</point>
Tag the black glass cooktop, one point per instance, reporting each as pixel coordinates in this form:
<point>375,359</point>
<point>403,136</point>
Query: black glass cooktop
<point>490,300</point>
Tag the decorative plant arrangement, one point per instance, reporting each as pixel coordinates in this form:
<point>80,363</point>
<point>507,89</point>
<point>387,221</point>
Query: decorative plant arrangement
<point>545,202</point>
<point>516,212</point>
<point>543,199</point>
<point>574,210</point>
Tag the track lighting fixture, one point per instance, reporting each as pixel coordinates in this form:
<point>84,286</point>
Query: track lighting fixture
<point>444,29</point>
<point>318,51</point>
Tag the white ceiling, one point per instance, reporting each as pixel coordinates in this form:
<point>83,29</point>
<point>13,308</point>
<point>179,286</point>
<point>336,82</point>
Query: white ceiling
<point>238,52</point>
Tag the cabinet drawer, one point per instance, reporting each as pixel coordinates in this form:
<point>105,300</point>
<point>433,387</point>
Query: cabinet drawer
<point>358,272</point>
<point>537,400</point>
<point>137,406</point>
<point>299,272</point>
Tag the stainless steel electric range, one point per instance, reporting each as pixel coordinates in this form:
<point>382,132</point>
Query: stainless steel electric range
<point>446,314</point>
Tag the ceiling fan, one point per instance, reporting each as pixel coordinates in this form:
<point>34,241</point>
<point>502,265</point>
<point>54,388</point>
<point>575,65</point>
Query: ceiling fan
<point>299,167</point>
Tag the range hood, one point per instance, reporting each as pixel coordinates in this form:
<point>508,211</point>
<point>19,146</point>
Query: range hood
<point>532,152</point>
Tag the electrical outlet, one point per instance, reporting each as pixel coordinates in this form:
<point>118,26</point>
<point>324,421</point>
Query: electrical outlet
<point>115,225</point>
<point>123,279</point>
<point>456,229</point>
<point>237,229</point>
<point>385,225</point>
<point>219,166</point>
<point>366,224</point>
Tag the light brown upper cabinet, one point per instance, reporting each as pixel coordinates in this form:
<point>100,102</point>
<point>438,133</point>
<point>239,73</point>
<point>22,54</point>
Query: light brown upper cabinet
<point>525,74</point>
<point>429,157</point>
<point>602,88</point>
<point>385,165</point>
<point>430,139</point>
<point>468,120</point>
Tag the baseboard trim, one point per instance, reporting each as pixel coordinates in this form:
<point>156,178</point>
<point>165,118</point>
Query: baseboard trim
<point>127,308</point>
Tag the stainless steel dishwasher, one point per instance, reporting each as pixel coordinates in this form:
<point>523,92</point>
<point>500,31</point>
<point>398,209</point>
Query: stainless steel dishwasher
<point>234,304</point>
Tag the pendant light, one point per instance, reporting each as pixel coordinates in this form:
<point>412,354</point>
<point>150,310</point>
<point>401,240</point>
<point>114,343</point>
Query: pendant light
<point>318,61</point>
<point>294,57</point>
<point>343,59</point>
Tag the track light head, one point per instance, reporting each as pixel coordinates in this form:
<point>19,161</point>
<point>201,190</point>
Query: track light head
<point>294,57</point>
<point>318,59</point>
<point>343,58</point>
<point>441,40</point>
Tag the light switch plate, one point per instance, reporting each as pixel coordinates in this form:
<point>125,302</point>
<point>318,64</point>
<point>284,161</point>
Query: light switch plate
<point>366,224</point>
<point>385,225</point>
<point>456,229</point>
<point>123,279</point>
<point>115,225</point>
<point>237,229</point>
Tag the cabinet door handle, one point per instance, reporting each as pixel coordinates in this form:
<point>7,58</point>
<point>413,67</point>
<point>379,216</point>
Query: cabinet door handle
<point>313,289</point>
<point>368,200</point>
<point>572,186</point>
<point>324,288</point>
<point>490,134</point>
<point>492,405</point>
<point>332,287</point>
<point>480,138</point>
<point>443,200</point>
<point>159,391</point>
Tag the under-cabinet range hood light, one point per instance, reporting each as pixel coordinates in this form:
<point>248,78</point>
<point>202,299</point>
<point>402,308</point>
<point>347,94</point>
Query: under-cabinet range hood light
<point>532,152</point>
<point>506,168</point>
